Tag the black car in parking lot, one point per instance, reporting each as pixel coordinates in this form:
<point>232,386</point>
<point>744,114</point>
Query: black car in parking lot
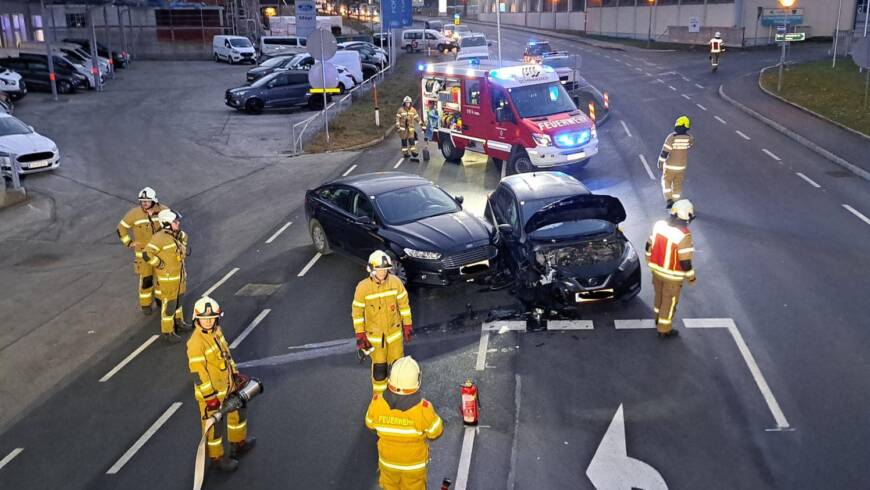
<point>561,244</point>
<point>276,90</point>
<point>271,65</point>
<point>33,69</point>
<point>119,58</point>
<point>432,239</point>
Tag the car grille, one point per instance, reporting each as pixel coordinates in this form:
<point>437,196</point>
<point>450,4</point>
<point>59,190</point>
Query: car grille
<point>468,257</point>
<point>35,157</point>
<point>593,282</point>
<point>247,55</point>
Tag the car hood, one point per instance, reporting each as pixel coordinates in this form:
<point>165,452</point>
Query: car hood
<point>241,90</point>
<point>577,208</point>
<point>446,233</point>
<point>261,70</point>
<point>21,144</point>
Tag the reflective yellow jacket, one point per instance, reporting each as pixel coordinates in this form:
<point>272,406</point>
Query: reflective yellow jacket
<point>166,254</point>
<point>209,357</point>
<point>143,226</point>
<point>405,120</point>
<point>403,435</point>
<point>380,308</point>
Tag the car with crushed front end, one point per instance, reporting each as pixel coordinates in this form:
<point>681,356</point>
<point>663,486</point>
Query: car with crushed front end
<point>431,238</point>
<point>560,245</point>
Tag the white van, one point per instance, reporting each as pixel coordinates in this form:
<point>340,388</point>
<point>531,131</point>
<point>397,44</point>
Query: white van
<point>279,45</point>
<point>233,49</point>
<point>421,39</point>
<point>351,61</point>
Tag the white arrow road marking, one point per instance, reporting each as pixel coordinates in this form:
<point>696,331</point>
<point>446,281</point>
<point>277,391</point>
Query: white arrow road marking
<point>612,469</point>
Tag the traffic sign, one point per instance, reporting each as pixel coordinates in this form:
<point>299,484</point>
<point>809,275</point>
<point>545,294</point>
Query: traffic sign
<point>396,14</point>
<point>791,37</point>
<point>323,71</point>
<point>321,44</point>
<point>775,17</point>
<point>694,24</point>
<point>306,17</point>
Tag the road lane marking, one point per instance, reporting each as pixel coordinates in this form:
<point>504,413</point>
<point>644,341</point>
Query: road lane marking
<point>399,162</point>
<point>625,127</point>
<point>857,213</point>
<point>685,79</point>
<point>659,80</point>
<point>646,166</point>
<point>611,466</point>
<point>219,283</point>
<point>348,171</point>
<point>129,358</point>
<point>808,180</point>
<point>309,265</point>
<point>499,327</point>
<point>701,107</point>
<point>719,119</point>
<point>280,230</point>
<point>672,88</point>
<point>686,97</point>
<point>740,133</point>
<point>569,325</point>
<point>512,475</point>
<point>9,457</point>
<point>638,68</point>
<point>699,85</point>
<point>250,328</point>
<point>633,324</point>
<point>465,458</point>
<point>144,439</point>
<point>727,323</point>
<point>771,155</point>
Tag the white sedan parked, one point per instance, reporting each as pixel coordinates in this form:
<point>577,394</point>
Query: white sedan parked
<point>20,143</point>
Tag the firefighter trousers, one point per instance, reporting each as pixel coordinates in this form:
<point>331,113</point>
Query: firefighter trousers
<point>402,480</point>
<point>409,143</point>
<point>235,424</point>
<point>667,295</point>
<point>388,347</point>
<point>170,291</point>
<point>146,281</point>
<point>672,186</point>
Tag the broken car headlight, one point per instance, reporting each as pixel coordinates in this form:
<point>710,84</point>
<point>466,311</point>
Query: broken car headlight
<point>629,257</point>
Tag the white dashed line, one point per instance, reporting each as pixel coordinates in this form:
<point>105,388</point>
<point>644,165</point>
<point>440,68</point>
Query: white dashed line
<point>686,97</point>
<point>647,73</point>
<point>719,119</point>
<point>144,439</point>
<point>701,107</point>
<point>685,79</point>
<point>638,68</point>
<point>348,171</point>
<point>740,133</point>
<point>280,230</point>
<point>672,88</point>
<point>857,213</point>
<point>465,458</point>
<point>309,265</point>
<point>569,325</point>
<point>808,180</point>
<point>771,155</point>
<point>633,324</point>
<point>129,358</point>
<point>219,283</point>
<point>625,127</point>
<point>699,85</point>
<point>646,166</point>
<point>250,328</point>
<point>398,163</point>
<point>9,457</point>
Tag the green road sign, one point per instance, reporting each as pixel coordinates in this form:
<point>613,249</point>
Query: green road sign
<point>794,36</point>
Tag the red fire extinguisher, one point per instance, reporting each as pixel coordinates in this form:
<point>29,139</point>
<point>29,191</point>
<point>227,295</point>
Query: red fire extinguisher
<point>470,404</point>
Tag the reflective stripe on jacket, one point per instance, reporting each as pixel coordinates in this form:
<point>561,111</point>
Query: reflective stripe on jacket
<point>208,356</point>
<point>403,435</point>
<point>677,146</point>
<point>166,254</point>
<point>379,309</point>
<point>667,247</point>
<point>142,225</point>
<point>716,45</point>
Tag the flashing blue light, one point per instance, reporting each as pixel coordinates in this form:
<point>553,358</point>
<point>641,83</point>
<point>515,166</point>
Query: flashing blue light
<point>420,67</point>
<point>475,61</point>
<point>501,75</point>
<point>554,92</point>
<point>572,139</point>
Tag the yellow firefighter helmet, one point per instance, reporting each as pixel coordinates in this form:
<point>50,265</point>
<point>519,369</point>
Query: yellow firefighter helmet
<point>683,121</point>
<point>404,376</point>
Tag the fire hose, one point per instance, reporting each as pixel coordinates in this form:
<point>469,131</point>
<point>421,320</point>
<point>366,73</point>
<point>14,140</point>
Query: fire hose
<point>234,401</point>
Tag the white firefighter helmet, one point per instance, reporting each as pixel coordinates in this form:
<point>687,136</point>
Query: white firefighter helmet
<point>379,260</point>
<point>404,376</point>
<point>407,100</point>
<point>683,209</point>
<point>718,34</point>
<point>166,217</point>
<point>206,307</point>
<point>148,194</point>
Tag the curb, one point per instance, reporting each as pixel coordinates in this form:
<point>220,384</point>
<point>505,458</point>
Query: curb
<point>368,144</point>
<point>798,138</point>
<point>798,106</point>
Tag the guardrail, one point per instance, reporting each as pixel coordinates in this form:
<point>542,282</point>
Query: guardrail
<point>298,130</point>
<point>12,173</point>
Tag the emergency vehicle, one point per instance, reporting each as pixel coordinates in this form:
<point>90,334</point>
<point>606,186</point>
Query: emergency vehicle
<point>516,113</point>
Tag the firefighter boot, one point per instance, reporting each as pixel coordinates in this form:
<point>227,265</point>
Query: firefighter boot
<point>225,464</point>
<point>669,334</point>
<point>182,326</point>
<point>237,449</point>
<point>147,310</point>
<point>171,338</point>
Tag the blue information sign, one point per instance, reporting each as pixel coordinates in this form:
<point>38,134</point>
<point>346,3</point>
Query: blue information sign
<point>396,14</point>
<point>777,17</point>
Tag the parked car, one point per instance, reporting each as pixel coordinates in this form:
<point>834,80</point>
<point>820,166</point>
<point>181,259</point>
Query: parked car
<point>382,39</point>
<point>276,90</point>
<point>270,65</point>
<point>12,84</point>
<point>32,151</point>
<point>420,39</point>
<point>60,60</point>
<point>72,53</point>
<point>368,51</point>
<point>350,60</point>
<point>6,105</point>
<point>475,44</point>
<point>120,58</point>
<point>561,244</point>
<point>535,51</point>
<point>34,71</point>
<point>233,49</point>
<point>432,239</point>
<point>280,45</point>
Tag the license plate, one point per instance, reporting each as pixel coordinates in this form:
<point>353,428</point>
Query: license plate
<point>39,164</point>
<point>474,268</point>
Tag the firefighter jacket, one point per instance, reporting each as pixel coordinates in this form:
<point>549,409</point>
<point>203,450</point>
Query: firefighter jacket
<point>717,45</point>
<point>405,120</point>
<point>166,253</point>
<point>675,152</point>
<point>209,358</point>
<point>668,250</point>
<point>142,225</point>
<point>403,434</point>
<point>381,308</point>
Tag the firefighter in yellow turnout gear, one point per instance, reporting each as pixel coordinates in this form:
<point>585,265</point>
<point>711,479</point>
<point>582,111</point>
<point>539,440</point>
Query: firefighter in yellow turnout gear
<point>673,160</point>
<point>381,317</point>
<point>669,252</point>
<point>166,252</point>
<point>405,423</point>
<point>406,118</point>
<point>135,231</point>
<point>216,376</point>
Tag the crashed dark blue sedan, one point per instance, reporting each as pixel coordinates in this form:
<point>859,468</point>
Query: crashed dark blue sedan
<point>432,240</point>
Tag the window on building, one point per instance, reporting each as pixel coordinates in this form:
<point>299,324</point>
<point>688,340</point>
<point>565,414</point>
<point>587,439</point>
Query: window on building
<point>38,31</point>
<point>720,1</point>
<point>577,5</point>
<point>76,20</point>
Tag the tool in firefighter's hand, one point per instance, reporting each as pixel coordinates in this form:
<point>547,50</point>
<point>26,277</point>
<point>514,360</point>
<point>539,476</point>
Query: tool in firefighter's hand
<point>362,354</point>
<point>445,484</point>
<point>234,401</point>
<point>470,406</point>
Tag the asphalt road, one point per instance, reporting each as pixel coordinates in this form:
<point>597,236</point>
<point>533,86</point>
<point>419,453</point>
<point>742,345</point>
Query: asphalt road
<point>765,388</point>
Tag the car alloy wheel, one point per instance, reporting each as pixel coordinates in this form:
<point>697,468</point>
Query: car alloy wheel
<point>64,87</point>
<point>318,237</point>
<point>217,58</point>
<point>254,106</point>
<point>522,164</point>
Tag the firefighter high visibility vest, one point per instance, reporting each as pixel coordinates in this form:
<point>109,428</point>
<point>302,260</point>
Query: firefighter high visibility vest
<point>142,225</point>
<point>403,434</point>
<point>208,357</point>
<point>677,146</point>
<point>166,254</point>
<point>667,247</point>
<point>716,45</point>
<point>380,309</point>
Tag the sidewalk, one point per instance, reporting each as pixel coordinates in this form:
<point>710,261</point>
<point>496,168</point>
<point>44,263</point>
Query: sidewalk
<point>834,143</point>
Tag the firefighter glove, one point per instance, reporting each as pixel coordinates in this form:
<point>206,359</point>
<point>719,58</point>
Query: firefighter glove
<point>213,404</point>
<point>406,330</point>
<point>362,342</point>
<point>241,380</point>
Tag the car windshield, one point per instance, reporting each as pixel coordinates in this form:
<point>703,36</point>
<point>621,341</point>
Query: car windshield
<point>473,41</point>
<point>535,205</point>
<point>240,42</point>
<point>274,61</point>
<point>543,99</point>
<point>74,56</point>
<point>263,81</point>
<point>538,49</point>
<point>10,126</point>
<point>414,203</point>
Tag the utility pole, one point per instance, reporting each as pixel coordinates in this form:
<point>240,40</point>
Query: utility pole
<point>649,29</point>
<point>837,33</point>
<point>51,76</point>
<point>785,4</point>
<point>498,28</point>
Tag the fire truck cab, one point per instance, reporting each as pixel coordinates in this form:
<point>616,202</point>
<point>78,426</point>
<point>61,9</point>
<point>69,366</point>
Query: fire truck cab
<point>516,113</point>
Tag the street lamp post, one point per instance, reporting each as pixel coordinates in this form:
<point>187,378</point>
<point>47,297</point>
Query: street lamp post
<point>649,29</point>
<point>784,4</point>
<point>498,28</point>
<point>837,33</point>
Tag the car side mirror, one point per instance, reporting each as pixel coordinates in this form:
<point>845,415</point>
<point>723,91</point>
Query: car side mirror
<point>31,129</point>
<point>459,199</point>
<point>367,223</point>
<point>506,229</point>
